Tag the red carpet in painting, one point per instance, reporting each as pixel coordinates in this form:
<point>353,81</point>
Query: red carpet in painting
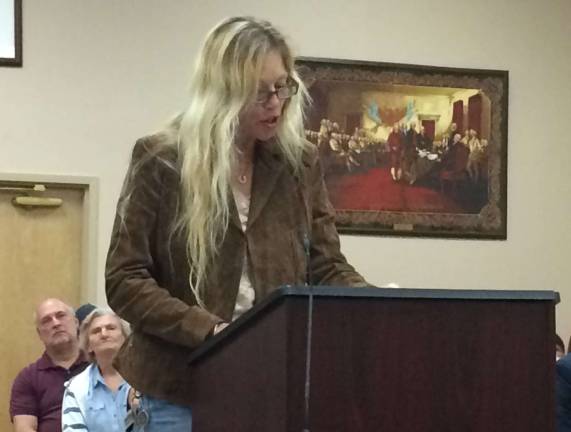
<point>375,190</point>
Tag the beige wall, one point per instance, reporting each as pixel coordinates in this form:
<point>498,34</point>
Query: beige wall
<point>98,74</point>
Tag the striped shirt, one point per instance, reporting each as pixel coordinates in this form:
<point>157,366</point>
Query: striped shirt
<point>89,405</point>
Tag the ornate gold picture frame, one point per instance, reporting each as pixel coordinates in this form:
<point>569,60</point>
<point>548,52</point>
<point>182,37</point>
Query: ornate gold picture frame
<point>411,150</point>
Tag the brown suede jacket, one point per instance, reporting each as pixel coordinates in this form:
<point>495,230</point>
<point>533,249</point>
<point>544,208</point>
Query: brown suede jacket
<point>147,268</point>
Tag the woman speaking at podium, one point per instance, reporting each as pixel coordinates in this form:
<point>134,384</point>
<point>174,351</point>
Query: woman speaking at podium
<point>224,205</point>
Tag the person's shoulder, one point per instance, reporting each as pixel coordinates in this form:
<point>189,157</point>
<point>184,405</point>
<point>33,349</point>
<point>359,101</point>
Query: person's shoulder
<point>161,146</point>
<point>25,375</point>
<point>563,368</point>
<point>28,375</point>
<point>154,155</point>
<point>565,361</point>
<point>76,390</point>
<point>79,382</point>
<point>34,367</point>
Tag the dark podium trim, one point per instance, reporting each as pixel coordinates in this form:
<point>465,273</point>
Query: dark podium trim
<point>285,291</point>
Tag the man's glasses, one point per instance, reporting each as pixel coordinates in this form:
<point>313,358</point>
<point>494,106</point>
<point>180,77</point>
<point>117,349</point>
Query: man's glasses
<point>282,92</point>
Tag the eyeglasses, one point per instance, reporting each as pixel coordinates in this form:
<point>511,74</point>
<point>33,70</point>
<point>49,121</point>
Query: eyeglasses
<point>282,92</point>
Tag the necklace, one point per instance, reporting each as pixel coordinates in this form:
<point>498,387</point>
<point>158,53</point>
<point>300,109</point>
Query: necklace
<point>244,173</point>
<point>244,166</point>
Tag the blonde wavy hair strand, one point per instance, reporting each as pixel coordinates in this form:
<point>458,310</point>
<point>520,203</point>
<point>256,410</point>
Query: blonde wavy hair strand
<point>225,80</point>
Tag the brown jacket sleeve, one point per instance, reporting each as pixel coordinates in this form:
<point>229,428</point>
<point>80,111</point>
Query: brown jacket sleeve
<point>328,265</point>
<point>131,288</point>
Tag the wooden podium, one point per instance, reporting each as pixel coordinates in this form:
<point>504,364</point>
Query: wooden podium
<point>324,359</point>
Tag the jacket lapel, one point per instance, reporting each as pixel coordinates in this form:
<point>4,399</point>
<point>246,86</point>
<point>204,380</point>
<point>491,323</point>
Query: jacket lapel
<point>234,218</point>
<point>268,169</point>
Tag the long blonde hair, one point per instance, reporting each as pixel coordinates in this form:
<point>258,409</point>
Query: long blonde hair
<point>225,80</point>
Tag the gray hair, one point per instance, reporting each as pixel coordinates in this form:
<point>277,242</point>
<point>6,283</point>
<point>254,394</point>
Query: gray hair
<point>86,325</point>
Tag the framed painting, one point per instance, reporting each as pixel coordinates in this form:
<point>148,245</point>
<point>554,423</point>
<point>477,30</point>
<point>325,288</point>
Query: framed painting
<point>10,32</point>
<point>411,150</point>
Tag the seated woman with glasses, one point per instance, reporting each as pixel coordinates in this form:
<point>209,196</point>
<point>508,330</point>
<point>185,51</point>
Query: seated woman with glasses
<point>218,210</point>
<point>96,400</point>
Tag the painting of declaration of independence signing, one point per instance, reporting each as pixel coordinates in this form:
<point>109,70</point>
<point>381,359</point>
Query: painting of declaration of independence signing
<point>409,155</point>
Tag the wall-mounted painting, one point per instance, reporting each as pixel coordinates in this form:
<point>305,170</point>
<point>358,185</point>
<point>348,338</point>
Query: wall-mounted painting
<point>411,150</point>
<point>10,32</point>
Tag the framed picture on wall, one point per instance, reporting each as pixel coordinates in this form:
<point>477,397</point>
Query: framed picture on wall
<point>411,150</point>
<point>10,32</point>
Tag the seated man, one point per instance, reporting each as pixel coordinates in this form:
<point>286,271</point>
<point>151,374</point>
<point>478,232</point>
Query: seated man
<point>37,391</point>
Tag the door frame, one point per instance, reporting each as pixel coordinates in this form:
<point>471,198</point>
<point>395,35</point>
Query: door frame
<point>90,221</point>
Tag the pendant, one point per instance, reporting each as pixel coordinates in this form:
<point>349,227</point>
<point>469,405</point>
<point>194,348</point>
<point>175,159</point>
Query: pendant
<point>242,179</point>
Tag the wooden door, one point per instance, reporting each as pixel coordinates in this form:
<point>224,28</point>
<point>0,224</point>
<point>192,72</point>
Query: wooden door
<point>40,257</point>
<point>458,116</point>
<point>429,128</point>
<point>475,113</point>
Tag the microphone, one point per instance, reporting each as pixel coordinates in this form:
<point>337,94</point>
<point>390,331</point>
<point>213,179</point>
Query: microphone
<point>306,249</point>
<point>309,335</point>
